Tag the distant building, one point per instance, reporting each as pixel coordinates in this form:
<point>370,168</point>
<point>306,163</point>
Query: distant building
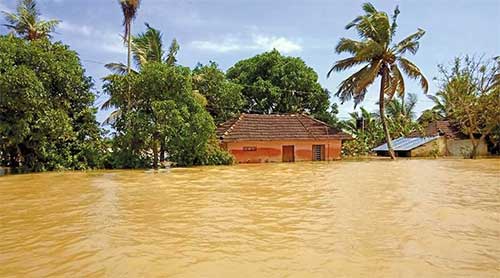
<point>440,138</point>
<point>254,138</point>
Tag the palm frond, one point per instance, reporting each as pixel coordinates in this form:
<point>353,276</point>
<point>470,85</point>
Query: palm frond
<point>394,24</point>
<point>348,45</point>
<point>395,83</point>
<point>353,23</point>
<point>411,102</point>
<point>344,64</point>
<point>107,104</point>
<point>148,46</point>
<point>375,27</point>
<point>355,86</point>
<point>118,68</point>
<point>369,8</point>
<point>410,43</point>
<point>172,53</point>
<point>113,117</point>
<point>413,72</point>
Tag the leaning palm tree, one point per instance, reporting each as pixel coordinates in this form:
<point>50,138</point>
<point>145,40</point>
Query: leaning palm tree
<point>26,21</point>
<point>380,58</point>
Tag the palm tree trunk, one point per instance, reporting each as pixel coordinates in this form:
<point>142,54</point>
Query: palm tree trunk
<point>129,47</point>
<point>381,102</point>
<point>129,59</point>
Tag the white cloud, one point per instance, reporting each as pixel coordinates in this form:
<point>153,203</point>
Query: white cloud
<point>89,36</point>
<point>280,43</point>
<point>255,42</point>
<point>73,28</point>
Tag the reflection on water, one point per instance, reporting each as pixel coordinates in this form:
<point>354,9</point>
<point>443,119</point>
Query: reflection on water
<point>410,218</point>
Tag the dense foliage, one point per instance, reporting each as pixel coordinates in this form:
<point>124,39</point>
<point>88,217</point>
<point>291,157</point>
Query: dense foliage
<point>165,109</point>
<point>273,83</point>
<point>46,116</point>
<point>224,98</point>
<point>166,112</point>
<point>469,96</point>
<point>367,127</point>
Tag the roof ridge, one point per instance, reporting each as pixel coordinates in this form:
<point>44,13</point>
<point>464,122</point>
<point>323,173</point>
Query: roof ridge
<point>229,129</point>
<point>316,120</point>
<point>308,131</point>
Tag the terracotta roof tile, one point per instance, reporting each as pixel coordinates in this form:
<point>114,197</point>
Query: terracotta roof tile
<point>277,127</point>
<point>443,128</point>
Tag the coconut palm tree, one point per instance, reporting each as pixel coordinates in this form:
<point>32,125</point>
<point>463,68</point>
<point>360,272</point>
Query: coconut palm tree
<point>146,48</point>
<point>26,21</point>
<point>129,9</point>
<point>379,57</point>
<point>401,116</point>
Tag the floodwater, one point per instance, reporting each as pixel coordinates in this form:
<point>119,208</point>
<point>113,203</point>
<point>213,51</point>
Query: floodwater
<point>409,218</point>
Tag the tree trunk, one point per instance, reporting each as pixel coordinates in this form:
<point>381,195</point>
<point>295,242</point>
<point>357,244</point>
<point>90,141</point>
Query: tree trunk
<point>382,114</point>
<point>129,47</point>
<point>155,151</point>
<point>162,150</point>
<point>475,145</point>
<point>129,63</point>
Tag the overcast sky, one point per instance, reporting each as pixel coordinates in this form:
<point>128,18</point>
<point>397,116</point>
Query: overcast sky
<point>226,31</point>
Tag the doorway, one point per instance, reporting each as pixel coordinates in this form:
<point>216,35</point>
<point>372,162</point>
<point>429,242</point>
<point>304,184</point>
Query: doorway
<point>288,153</point>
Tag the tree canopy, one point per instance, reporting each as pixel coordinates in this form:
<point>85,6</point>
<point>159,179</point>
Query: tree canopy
<point>469,96</point>
<point>26,21</point>
<point>46,116</point>
<point>273,83</point>
<point>224,98</point>
<point>166,110</point>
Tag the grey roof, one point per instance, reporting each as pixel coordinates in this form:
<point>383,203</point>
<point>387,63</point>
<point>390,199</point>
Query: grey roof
<point>406,144</point>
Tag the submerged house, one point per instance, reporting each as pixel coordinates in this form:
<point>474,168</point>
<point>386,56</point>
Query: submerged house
<point>440,138</point>
<point>254,138</point>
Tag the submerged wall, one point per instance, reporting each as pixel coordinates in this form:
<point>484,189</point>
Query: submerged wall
<point>458,147</point>
<point>434,148</point>
<point>271,151</point>
<point>449,147</point>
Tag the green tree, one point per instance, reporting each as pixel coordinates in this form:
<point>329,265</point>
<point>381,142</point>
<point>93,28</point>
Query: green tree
<point>46,116</point>
<point>273,83</point>
<point>165,105</point>
<point>26,21</point>
<point>366,129</point>
<point>470,96</point>
<point>400,116</point>
<point>224,98</point>
<point>380,58</point>
<point>147,47</point>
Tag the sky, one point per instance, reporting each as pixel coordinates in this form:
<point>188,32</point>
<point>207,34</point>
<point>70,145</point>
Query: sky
<point>226,31</point>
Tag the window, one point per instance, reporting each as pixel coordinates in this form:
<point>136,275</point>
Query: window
<point>318,152</point>
<point>250,149</point>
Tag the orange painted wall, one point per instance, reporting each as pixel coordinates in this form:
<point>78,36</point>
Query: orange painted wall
<point>270,151</point>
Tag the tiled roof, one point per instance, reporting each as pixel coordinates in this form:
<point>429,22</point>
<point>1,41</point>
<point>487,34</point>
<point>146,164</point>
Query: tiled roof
<point>406,144</point>
<point>443,128</point>
<point>260,127</point>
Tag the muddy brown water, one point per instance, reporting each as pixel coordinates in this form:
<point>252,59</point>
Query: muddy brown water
<point>409,218</point>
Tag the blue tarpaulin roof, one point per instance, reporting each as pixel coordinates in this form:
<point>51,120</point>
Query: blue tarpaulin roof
<point>406,144</point>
